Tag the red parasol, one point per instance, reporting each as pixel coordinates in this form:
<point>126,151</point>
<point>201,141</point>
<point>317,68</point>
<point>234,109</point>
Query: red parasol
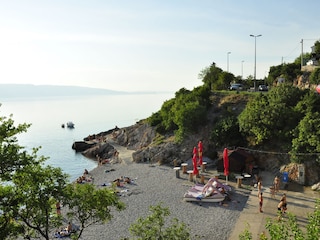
<point>194,151</point>
<point>195,167</point>
<point>200,148</point>
<point>226,163</point>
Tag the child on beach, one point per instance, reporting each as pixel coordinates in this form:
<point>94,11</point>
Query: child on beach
<point>259,185</point>
<point>272,191</point>
<point>276,184</point>
<point>260,202</point>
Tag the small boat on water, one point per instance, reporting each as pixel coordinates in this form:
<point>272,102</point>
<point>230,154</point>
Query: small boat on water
<point>70,124</point>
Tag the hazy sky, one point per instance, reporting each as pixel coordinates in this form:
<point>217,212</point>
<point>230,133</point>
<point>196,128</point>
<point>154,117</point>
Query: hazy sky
<point>140,45</point>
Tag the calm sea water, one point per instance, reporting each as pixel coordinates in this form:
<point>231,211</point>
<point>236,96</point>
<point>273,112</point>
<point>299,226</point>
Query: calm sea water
<point>90,114</point>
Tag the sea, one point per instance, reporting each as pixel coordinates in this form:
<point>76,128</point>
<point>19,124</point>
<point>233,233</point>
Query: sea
<point>91,114</point>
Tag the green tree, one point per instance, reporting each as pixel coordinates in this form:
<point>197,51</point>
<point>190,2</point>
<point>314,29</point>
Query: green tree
<point>226,132</point>
<point>289,71</point>
<point>271,116</point>
<point>317,48</point>
<point>35,190</point>
<point>13,157</point>
<point>315,76</point>
<point>224,80</point>
<point>305,56</point>
<point>306,138</point>
<point>289,229</point>
<point>184,113</point>
<point>29,191</point>
<point>16,162</point>
<point>153,226</point>
<point>210,77</point>
<point>88,205</point>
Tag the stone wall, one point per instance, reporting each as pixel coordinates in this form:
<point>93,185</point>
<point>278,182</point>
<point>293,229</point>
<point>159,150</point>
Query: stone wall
<point>304,174</point>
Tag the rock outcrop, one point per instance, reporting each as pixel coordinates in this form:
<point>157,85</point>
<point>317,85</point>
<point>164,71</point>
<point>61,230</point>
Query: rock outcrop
<point>81,146</point>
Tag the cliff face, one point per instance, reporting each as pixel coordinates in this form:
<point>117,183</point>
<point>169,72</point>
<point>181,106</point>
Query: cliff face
<point>149,146</point>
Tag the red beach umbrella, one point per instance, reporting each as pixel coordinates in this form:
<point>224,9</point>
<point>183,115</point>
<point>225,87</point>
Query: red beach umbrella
<point>226,163</point>
<point>194,151</point>
<point>195,167</point>
<point>200,148</point>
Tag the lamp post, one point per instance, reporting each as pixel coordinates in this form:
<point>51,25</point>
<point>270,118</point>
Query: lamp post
<point>255,57</point>
<point>242,69</point>
<point>228,61</point>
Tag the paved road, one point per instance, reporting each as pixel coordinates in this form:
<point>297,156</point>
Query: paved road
<point>301,201</point>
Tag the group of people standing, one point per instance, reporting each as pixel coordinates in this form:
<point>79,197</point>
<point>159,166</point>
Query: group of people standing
<point>282,205</point>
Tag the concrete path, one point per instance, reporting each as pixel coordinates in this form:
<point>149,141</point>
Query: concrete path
<point>301,201</point>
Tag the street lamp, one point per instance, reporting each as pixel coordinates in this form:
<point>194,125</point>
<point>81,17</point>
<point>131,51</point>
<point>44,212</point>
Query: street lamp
<point>255,57</point>
<point>228,61</point>
<point>242,69</point>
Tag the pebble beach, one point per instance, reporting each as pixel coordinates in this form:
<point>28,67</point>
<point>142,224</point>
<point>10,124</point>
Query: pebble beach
<point>154,184</point>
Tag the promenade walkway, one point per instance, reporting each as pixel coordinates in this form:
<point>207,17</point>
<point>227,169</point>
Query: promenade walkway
<point>301,201</point>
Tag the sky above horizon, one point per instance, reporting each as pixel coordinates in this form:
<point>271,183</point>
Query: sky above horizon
<point>148,45</point>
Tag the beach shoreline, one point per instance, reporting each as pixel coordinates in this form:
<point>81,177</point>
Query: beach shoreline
<point>157,184</point>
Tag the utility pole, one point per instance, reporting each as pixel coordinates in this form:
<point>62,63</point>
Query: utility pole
<point>255,57</point>
<point>228,61</point>
<point>242,69</point>
<point>301,53</point>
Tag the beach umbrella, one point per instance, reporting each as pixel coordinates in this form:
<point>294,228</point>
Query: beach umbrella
<point>194,151</point>
<point>318,89</point>
<point>226,163</point>
<point>195,167</point>
<point>200,149</point>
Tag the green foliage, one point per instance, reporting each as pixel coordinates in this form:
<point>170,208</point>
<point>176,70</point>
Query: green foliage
<point>9,227</point>
<point>13,157</point>
<point>210,77</point>
<point>307,138</point>
<point>315,76</point>
<point>25,201</point>
<point>89,205</point>
<point>271,115</point>
<point>153,226</point>
<point>317,47</point>
<point>313,229</point>
<point>30,196</point>
<point>226,132</point>
<point>246,234</point>
<point>288,71</point>
<point>182,114</point>
<point>29,191</point>
<point>289,229</point>
<point>306,135</point>
<point>305,56</point>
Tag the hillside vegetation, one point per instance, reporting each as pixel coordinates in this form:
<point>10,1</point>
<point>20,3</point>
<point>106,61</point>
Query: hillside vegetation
<point>286,118</point>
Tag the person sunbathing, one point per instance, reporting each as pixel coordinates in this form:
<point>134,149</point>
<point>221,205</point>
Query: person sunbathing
<point>209,188</point>
<point>118,182</point>
<point>126,179</point>
<point>66,231</point>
